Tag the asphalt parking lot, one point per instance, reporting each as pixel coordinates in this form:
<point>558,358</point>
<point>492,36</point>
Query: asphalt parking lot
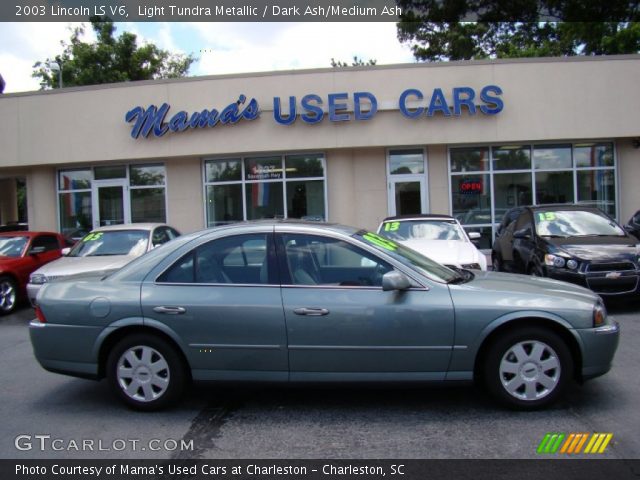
<point>52,416</point>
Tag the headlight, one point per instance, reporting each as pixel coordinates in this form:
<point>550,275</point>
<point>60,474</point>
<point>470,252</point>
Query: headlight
<point>599,314</point>
<point>37,278</point>
<point>572,264</point>
<point>554,260</point>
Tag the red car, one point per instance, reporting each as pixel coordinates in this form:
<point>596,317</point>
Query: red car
<point>20,254</point>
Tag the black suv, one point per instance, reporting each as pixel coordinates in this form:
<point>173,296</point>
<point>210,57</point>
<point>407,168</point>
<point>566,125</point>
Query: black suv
<point>576,244</point>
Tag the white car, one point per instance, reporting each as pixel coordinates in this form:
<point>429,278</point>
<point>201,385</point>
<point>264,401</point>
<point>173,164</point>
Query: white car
<point>439,237</point>
<point>103,249</point>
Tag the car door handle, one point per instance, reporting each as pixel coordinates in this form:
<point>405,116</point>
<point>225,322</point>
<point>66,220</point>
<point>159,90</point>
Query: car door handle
<point>170,310</point>
<point>312,312</point>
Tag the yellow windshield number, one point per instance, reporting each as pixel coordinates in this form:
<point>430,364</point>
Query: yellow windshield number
<point>546,216</point>
<point>381,241</point>
<point>391,226</point>
<point>92,237</point>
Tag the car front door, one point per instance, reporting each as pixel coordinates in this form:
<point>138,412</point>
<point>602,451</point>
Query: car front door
<point>222,300</point>
<point>341,325</point>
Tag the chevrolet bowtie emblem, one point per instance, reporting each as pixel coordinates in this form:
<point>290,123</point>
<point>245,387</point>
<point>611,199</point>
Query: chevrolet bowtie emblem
<point>613,275</point>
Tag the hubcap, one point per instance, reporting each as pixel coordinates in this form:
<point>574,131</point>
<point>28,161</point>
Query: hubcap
<point>143,373</point>
<point>530,370</point>
<point>7,296</point>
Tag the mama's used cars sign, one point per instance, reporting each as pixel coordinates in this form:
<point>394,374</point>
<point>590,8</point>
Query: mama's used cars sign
<point>313,109</point>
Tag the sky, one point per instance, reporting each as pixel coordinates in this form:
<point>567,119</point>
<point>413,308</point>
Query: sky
<point>220,47</point>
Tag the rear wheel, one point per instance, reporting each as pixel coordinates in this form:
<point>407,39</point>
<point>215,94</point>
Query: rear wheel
<point>146,372</point>
<point>8,295</point>
<point>528,369</point>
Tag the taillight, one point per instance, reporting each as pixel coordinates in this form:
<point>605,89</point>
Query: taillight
<point>40,315</point>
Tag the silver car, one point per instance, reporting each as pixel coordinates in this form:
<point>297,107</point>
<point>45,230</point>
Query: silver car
<point>284,301</point>
<point>103,249</point>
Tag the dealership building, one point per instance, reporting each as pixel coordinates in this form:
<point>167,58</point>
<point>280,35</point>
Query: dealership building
<point>350,145</point>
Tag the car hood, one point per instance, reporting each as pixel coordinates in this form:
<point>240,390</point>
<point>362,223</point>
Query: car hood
<point>525,290</point>
<point>72,265</point>
<point>445,251</point>
<point>598,248</point>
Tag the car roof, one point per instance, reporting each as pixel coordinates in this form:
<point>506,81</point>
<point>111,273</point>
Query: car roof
<point>421,216</point>
<point>130,226</point>
<point>557,207</point>
<point>25,233</point>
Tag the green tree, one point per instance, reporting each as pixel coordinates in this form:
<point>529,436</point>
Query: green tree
<point>357,62</point>
<point>110,59</point>
<point>475,29</point>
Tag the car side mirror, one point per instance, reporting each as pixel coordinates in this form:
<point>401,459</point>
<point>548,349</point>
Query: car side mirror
<point>36,250</point>
<point>524,233</point>
<point>395,280</point>
<point>65,251</point>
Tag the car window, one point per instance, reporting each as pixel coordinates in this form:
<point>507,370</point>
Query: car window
<point>318,260</point>
<point>49,242</point>
<point>523,221</point>
<point>240,259</point>
<point>575,223</point>
<point>111,242</point>
<point>434,229</point>
<point>12,246</point>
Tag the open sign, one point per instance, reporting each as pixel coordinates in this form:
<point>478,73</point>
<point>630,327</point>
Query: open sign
<point>471,187</point>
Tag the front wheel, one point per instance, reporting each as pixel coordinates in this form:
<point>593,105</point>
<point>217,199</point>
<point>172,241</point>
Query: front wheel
<point>146,372</point>
<point>528,369</point>
<point>8,295</point>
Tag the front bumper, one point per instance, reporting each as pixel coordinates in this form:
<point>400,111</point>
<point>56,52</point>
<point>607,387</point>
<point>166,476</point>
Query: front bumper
<point>604,283</point>
<point>599,346</point>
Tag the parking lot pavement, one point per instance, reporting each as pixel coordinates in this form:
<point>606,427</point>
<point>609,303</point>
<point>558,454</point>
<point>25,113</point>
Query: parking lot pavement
<point>226,421</point>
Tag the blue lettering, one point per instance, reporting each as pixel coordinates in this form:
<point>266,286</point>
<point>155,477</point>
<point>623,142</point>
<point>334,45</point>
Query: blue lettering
<point>178,122</point>
<point>277,115</point>
<point>214,117</point>
<point>251,111</point>
<point>314,113</point>
<point>403,103</point>
<point>335,107</point>
<point>438,104</point>
<point>459,101</point>
<point>146,120</point>
<point>357,107</point>
<point>494,104</point>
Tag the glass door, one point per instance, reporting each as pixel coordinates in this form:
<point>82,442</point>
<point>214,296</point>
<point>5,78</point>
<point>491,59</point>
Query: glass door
<point>407,176</point>
<point>110,203</point>
<point>406,197</point>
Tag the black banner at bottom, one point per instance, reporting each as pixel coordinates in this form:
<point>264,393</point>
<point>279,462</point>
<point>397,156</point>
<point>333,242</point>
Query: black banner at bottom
<point>544,468</point>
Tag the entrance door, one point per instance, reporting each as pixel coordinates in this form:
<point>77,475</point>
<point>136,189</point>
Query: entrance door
<point>407,196</point>
<point>110,203</point>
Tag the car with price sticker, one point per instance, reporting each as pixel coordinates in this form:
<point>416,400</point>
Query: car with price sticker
<point>284,301</point>
<point>103,250</point>
<point>576,244</point>
<point>439,237</point>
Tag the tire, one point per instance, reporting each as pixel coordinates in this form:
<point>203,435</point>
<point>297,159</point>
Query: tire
<point>8,295</point>
<point>528,369</point>
<point>146,372</point>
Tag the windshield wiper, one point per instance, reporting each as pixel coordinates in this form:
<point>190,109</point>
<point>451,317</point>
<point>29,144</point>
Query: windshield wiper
<point>463,276</point>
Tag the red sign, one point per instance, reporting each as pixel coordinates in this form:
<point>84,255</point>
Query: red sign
<point>473,187</point>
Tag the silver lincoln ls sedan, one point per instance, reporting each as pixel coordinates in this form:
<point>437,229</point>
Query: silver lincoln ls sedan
<point>289,301</point>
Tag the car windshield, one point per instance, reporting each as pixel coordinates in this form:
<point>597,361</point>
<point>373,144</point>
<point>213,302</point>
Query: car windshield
<point>410,257</point>
<point>575,223</point>
<point>436,229</point>
<point>12,246</point>
<point>111,242</point>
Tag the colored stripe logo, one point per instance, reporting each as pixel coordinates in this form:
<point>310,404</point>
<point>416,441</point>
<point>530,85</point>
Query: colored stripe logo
<point>574,443</point>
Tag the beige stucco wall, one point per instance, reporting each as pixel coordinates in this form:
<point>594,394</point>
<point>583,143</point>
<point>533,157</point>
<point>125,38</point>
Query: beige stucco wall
<point>41,195</point>
<point>357,186</point>
<point>438,179</point>
<point>185,203</point>
<point>545,99</point>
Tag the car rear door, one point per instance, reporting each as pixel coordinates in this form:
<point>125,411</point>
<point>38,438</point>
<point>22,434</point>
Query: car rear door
<point>341,325</point>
